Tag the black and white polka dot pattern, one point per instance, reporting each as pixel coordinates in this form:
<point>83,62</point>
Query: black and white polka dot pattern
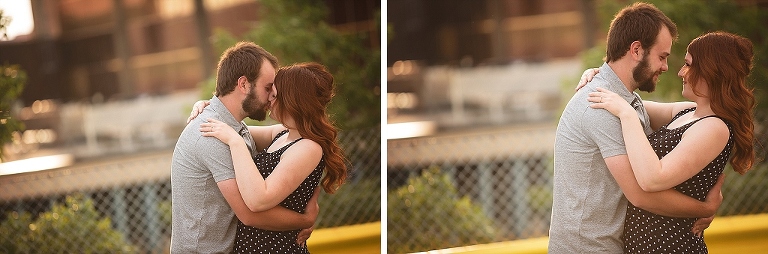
<point>254,240</point>
<point>646,232</point>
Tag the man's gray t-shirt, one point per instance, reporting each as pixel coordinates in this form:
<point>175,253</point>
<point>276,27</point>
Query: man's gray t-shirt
<point>588,207</point>
<point>202,220</point>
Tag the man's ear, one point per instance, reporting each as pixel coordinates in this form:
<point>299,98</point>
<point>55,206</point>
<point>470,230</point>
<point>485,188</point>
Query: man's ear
<point>636,50</point>
<point>242,84</point>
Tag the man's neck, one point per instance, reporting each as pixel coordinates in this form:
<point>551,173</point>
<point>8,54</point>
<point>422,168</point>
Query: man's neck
<point>234,105</point>
<point>623,68</point>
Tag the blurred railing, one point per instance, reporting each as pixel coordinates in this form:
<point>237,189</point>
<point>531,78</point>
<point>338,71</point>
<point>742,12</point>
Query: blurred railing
<point>132,194</point>
<point>507,176</point>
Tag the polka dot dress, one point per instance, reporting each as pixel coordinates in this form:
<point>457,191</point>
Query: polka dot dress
<point>646,232</point>
<point>254,240</point>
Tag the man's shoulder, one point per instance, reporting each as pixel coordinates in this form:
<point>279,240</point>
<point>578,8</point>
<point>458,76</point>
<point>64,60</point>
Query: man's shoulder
<point>580,115</point>
<point>205,115</point>
<point>599,81</point>
<point>192,138</point>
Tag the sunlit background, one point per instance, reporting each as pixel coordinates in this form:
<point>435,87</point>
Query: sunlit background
<point>22,17</point>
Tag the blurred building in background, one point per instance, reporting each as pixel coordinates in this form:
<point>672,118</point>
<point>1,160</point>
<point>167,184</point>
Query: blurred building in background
<point>471,33</point>
<point>492,62</point>
<point>125,71</point>
<point>81,48</point>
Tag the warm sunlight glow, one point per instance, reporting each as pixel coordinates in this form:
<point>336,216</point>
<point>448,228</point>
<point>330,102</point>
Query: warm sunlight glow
<point>410,129</point>
<point>20,12</point>
<point>175,8</point>
<point>36,164</point>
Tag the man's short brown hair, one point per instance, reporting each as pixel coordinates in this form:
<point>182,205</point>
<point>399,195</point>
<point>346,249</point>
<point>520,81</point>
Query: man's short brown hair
<point>243,59</point>
<point>637,22</point>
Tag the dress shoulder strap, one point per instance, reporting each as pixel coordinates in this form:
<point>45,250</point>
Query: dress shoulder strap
<point>682,112</point>
<point>688,125</point>
<point>697,120</point>
<point>278,136</point>
<point>285,146</point>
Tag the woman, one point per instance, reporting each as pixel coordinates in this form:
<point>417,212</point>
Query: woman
<point>689,151</point>
<point>293,154</point>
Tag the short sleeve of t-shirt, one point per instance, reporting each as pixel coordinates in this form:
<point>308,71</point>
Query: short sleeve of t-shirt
<point>215,156</point>
<point>220,163</point>
<point>605,130</point>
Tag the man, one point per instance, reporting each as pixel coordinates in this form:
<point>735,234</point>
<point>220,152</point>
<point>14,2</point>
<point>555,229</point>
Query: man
<point>593,178</point>
<point>204,191</point>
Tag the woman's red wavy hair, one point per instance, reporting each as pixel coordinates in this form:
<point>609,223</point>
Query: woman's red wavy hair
<point>724,61</point>
<point>304,91</point>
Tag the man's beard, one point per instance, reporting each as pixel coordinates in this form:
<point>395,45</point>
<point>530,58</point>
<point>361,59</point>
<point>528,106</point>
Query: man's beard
<point>253,108</point>
<point>643,75</point>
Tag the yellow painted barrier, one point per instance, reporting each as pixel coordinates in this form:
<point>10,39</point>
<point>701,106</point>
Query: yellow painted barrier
<point>362,238</point>
<point>527,246</point>
<point>733,234</point>
<point>738,234</point>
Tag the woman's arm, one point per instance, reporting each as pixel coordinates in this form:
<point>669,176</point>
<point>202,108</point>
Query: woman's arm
<point>667,202</point>
<point>263,135</point>
<point>700,144</point>
<point>277,218</point>
<point>661,113</point>
<point>259,194</point>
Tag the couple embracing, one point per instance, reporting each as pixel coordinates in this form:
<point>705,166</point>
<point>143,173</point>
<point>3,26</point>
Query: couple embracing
<point>254,189</point>
<point>634,176</point>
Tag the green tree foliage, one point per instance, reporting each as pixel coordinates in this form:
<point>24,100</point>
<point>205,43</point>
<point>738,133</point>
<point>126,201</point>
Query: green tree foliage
<point>4,21</point>
<point>296,31</point>
<point>12,80</point>
<point>165,208</point>
<point>74,227</point>
<point>694,18</point>
<point>423,206</point>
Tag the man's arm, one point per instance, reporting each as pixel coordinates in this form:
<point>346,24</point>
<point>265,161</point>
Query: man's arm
<point>668,202</point>
<point>275,219</point>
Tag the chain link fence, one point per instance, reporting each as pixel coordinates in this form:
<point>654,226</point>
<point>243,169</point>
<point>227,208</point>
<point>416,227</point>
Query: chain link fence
<point>122,204</point>
<point>504,177</point>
